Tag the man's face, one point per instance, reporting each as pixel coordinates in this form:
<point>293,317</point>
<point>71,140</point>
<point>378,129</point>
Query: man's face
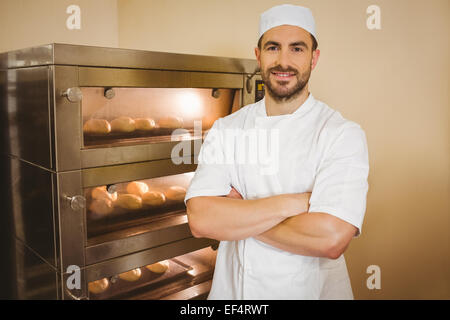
<point>286,60</point>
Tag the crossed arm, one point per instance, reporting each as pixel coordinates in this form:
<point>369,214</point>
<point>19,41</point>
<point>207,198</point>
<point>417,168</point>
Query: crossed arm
<point>281,221</point>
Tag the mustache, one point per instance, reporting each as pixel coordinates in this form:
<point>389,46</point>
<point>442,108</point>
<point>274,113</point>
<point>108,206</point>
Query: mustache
<point>281,69</point>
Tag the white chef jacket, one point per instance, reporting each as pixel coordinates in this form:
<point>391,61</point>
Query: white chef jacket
<point>313,150</point>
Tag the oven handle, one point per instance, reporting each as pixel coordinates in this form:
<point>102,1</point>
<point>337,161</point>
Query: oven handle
<point>76,202</point>
<point>248,82</point>
<point>73,297</point>
<point>72,94</point>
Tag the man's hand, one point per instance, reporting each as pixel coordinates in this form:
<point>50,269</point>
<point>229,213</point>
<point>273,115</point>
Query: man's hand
<point>301,200</point>
<point>234,194</point>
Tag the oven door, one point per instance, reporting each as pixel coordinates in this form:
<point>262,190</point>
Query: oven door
<point>125,216</point>
<point>107,116</point>
<point>133,207</point>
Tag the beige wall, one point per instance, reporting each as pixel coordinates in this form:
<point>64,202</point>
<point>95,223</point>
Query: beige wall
<point>219,28</point>
<point>26,23</point>
<point>393,81</point>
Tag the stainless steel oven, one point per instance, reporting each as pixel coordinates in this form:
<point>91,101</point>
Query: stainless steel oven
<point>100,145</point>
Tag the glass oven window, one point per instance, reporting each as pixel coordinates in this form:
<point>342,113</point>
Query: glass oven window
<point>131,204</point>
<point>121,116</point>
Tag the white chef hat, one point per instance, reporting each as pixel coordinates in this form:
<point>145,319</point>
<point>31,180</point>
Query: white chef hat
<point>287,14</point>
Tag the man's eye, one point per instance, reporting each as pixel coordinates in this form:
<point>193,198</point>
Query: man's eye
<point>272,48</point>
<point>298,49</point>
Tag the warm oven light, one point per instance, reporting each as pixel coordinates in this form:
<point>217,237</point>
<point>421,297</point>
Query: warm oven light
<point>190,105</point>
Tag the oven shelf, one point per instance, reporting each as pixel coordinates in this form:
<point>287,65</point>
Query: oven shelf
<point>106,141</point>
<point>195,285</point>
<point>123,224</point>
<point>140,226</point>
<point>149,281</point>
<point>165,230</point>
<point>197,292</point>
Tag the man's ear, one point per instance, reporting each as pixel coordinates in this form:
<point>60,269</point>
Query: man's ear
<point>258,56</point>
<point>315,58</point>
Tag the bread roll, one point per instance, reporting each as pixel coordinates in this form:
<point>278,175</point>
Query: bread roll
<point>98,286</point>
<point>132,275</point>
<point>159,267</point>
<point>97,126</point>
<point>128,201</point>
<point>123,124</point>
<point>145,124</point>
<point>171,122</point>
<point>175,193</point>
<point>153,198</point>
<point>137,188</point>
<point>100,193</point>
<point>100,208</point>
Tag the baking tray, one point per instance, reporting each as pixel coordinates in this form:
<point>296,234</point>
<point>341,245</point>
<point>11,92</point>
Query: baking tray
<point>120,289</point>
<point>118,138</point>
<point>120,219</point>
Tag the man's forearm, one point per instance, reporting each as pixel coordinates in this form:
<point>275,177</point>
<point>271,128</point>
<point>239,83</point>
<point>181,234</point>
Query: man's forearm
<point>310,234</point>
<point>223,218</point>
<point>282,221</point>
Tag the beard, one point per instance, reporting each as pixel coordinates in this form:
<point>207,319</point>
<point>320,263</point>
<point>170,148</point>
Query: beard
<point>279,91</point>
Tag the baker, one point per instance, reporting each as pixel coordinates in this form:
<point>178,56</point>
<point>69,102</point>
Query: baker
<point>283,226</point>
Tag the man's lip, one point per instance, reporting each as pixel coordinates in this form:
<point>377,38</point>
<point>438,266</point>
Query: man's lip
<point>283,75</point>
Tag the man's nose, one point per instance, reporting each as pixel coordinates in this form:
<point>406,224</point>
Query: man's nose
<point>283,58</point>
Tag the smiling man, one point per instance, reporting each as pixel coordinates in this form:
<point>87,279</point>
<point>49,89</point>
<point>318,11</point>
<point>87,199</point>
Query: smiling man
<point>282,234</point>
<point>286,61</point>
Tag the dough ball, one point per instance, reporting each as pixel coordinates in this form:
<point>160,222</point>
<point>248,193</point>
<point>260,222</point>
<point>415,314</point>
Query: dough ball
<point>175,193</point>
<point>145,124</point>
<point>171,122</point>
<point>159,267</point>
<point>123,124</point>
<point>100,208</point>
<point>137,188</point>
<point>132,275</point>
<point>97,126</point>
<point>154,198</point>
<point>98,286</point>
<point>129,201</point>
<point>100,193</point>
